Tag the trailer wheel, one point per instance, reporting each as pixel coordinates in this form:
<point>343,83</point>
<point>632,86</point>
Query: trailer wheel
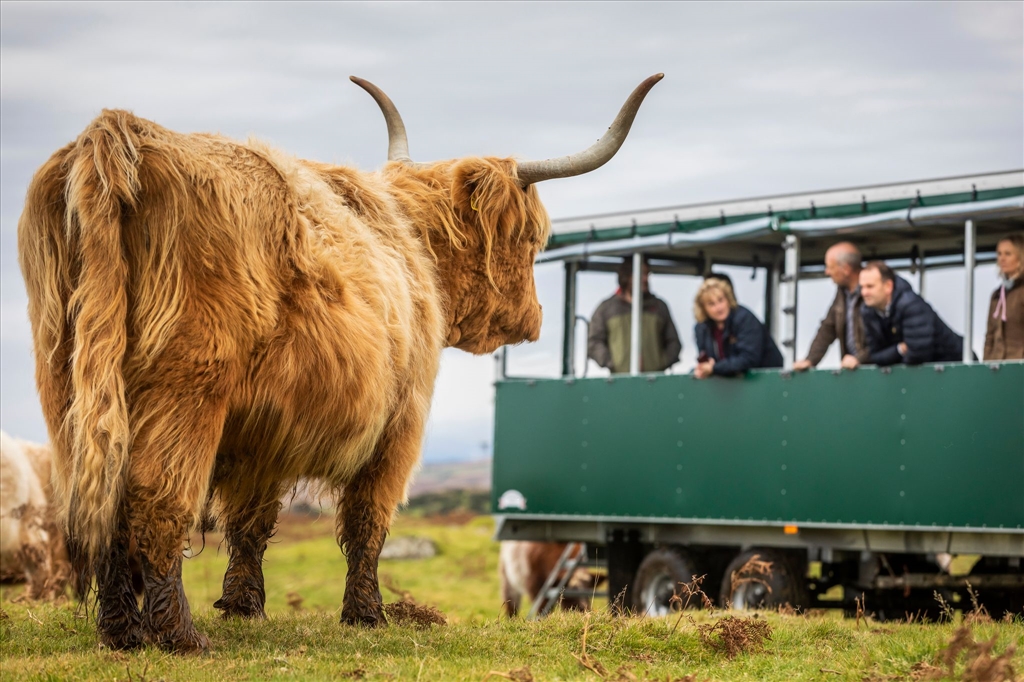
<point>658,578</point>
<point>784,584</point>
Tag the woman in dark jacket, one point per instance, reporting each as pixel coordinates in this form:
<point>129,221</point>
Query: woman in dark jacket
<point>730,338</point>
<point>1004,338</point>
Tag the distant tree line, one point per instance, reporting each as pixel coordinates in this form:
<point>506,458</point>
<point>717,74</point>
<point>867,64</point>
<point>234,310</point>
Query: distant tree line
<point>449,501</point>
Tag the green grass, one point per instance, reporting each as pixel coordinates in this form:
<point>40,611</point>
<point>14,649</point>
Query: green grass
<point>53,642</point>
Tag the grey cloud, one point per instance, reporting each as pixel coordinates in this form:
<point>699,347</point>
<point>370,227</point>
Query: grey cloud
<point>758,98</point>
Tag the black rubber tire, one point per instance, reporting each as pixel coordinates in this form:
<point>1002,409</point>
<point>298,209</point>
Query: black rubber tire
<point>785,585</point>
<point>661,574</point>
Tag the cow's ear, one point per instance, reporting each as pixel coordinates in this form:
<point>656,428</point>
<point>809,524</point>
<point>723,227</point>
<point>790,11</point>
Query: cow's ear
<point>469,176</point>
<point>486,179</point>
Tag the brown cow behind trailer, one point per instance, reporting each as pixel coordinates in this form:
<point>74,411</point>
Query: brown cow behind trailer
<point>524,566</point>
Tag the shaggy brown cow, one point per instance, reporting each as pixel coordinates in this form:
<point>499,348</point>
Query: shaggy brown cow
<point>524,566</point>
<point>214,320</point>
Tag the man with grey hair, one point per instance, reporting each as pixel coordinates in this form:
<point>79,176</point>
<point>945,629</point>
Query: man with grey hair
<point>843,321</point>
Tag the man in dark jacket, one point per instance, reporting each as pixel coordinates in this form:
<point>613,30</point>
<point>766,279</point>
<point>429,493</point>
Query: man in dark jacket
<point>843,322</point>
<point>609,341</point>
<point>899,325</point>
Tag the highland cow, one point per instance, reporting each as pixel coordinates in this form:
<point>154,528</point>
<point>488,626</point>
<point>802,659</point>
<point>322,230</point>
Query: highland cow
<point>524,566</point>
<point>213,320</point>
<point>31,545</point>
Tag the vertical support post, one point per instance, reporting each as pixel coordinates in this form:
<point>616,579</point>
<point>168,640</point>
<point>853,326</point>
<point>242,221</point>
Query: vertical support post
<point>774,285</point>
<point>969,257</point>
<point>790,279</point>
<point>569,321</point>
<point>771,282</point>
<point>634,327</point>
<point>499,363</point>
<point>920,275</point>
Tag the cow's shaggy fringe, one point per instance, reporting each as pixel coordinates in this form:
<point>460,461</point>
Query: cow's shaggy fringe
<point>213,320</point>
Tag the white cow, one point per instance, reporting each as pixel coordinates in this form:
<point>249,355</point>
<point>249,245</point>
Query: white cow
<point>31,546</point>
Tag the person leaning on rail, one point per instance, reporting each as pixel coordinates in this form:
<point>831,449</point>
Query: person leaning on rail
<point>730,338</point>
<point>843,322</point>
<point>609,340</point>
<point>1004,337</point>
<point>899,325</point>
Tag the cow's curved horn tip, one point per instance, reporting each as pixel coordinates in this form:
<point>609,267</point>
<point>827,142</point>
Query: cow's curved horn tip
<point>657,77</point>
<point>355,79</point>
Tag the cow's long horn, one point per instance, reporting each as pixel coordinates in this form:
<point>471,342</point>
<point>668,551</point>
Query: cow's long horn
<point>599,153</point>
<point>398,143</point>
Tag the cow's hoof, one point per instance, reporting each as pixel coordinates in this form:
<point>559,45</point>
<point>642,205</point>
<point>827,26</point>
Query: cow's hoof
<point>240,609</point>
<point>187,643</point>
<point>120,631</point>
<point>366,619</point>
<point>125,640</point>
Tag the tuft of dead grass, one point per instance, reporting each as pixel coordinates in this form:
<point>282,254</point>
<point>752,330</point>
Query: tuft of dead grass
<point>946,610</point>
<point>411,613</point>
<point>733,636</point>
<point>754,571</point>
<point>979,664</point>
<point>518,675</point>
<point>978,613</point>
<point>585,659</point>
<point>689,591</point>
<point>407,611</point>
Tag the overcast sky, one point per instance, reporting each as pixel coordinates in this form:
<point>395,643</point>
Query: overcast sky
<point>757,99</point>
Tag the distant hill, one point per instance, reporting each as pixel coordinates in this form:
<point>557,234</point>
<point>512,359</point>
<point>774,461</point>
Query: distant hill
<point>442,487</point>
<point>442,476</point>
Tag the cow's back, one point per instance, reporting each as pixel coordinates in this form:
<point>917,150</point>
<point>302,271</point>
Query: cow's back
<point>251,280</point>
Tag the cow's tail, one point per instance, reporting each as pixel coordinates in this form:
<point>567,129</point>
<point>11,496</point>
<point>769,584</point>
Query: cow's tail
<point>102,183</point>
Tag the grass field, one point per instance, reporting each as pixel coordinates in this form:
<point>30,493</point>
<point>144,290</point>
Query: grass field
<point>302,639</point>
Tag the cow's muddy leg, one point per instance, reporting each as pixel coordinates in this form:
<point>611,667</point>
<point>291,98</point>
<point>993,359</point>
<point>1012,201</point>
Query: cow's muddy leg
<point>169,474</point>
<point>161,531</point>
<point>165,612</point>
<point>247,531</point>
<point>118,618</point>
<point>368,504</point>
<point>363,524</point>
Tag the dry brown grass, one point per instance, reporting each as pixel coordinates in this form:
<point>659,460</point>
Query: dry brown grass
<point>686,594</point>
<point>979,663</point>
<point>754,571</point>
<point>407,611</point>
<point>518,675</point>
<point>978,613</point>
<point>732,636</point>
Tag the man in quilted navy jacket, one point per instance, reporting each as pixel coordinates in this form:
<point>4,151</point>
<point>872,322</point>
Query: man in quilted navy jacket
<point>899,326</point>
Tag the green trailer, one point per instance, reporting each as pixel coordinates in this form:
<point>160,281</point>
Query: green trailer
<point>860,484</point>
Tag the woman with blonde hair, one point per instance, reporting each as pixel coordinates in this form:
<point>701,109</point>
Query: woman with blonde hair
<point>1004,337</point>
<point>730,338</point>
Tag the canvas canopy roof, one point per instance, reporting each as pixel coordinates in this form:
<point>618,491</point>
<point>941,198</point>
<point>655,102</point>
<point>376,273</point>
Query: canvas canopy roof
<point>894,221</point>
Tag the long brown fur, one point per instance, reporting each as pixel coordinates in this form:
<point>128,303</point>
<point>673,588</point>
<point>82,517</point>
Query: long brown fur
<point>214,319</point>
